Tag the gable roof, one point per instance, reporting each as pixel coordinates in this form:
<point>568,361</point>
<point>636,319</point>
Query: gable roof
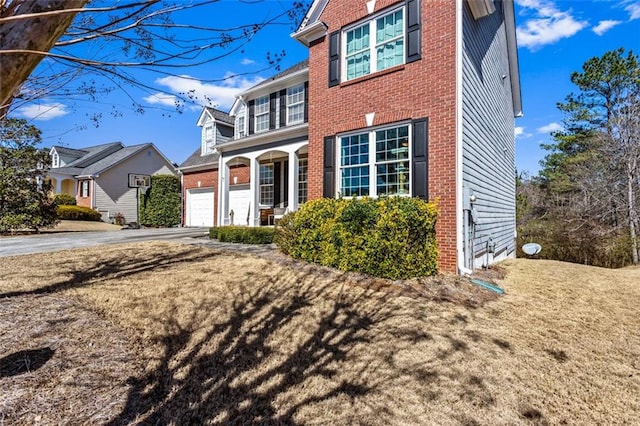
<point>217,115</point>
<point>100,158</point>
<point>69,152</point>
<point>300,66</point>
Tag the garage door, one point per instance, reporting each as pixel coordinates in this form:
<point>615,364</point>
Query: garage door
<point>239,202</point>
<point>199,207</point>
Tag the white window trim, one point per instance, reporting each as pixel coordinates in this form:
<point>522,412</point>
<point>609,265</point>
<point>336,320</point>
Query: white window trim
<point>256,115</point>
<point>208,144</point>
<point>301,120</point>
<point>240,131</point>
<point>84,188</point>
<point>305,182</point>
<point>372,45</point>
<point>55,160</point>
<point>373,187</point>
<point>272,185</point>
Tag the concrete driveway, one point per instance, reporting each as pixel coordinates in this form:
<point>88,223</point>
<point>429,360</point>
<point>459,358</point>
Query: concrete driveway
<point>10,246</point>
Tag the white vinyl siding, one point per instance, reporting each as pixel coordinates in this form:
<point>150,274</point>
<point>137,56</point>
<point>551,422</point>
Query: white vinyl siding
<point>261,113</point>
<point>365,54</point>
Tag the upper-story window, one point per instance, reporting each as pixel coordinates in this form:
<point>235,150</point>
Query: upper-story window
<point>208,139</point>
<point>375,45</point>
<point>295,104</point>
<point>55,160</point>
<point>240,126</point>
<point>262,114</point>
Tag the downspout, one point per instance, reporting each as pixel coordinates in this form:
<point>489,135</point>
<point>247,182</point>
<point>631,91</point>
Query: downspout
<point>460,234</point>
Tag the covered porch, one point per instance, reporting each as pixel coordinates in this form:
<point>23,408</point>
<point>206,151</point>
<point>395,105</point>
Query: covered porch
<point>258,187</point>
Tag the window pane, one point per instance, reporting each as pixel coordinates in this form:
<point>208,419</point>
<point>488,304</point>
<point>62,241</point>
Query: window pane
<point>392,144</point>
<point>389,26</point>
<point>354,149</point>
<point>266,184</point>
<point>303,170</point>
<point>392,178</point>
<point>355,181</point>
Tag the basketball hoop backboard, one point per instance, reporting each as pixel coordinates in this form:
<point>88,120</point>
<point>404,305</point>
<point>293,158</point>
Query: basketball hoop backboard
<point>139,181</point>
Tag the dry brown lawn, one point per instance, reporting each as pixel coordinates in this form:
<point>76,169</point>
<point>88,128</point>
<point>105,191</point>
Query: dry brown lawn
<point>163,333</point>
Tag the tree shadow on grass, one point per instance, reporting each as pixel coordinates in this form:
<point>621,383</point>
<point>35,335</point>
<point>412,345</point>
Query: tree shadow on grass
<point>243,376</point>
<point>24,361</point>
<point>121,267</point>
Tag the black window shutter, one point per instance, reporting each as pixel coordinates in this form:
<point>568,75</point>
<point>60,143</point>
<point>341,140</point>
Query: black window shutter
<point>414,34</point>
<point>328,175</point>
<point>272,110</point>
<point>283,107</point>
<point>306,101</point>
<point>334,58</point>
<point>252,116</point>
<point>420,181</point>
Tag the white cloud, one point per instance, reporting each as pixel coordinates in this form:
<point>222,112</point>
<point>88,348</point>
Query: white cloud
<point>634,11</point>
<point>520,133</point>
<point>548,25</point>
<point>604,26</point>
<point>550,128</point>
<point>43,111</point>
<point>247,61</point>
<point>221,95</point>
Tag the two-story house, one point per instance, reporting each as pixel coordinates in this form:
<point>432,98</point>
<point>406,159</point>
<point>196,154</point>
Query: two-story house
<point>418,98</point>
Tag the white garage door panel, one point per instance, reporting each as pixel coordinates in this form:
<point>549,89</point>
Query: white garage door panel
<point>239,202</point>
<point>200,207</point>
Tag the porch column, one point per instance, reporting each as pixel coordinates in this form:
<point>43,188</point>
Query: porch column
<point>223,192</point>
<point>254,187</point>
<point>59,185</point>
<point>293,180</point>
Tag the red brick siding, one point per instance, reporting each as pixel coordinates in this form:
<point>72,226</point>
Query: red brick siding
<point>80,200</point>
<point>425,88</point>
<point>208,179</point>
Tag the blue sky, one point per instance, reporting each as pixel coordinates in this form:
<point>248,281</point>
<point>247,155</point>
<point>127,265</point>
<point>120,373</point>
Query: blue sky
<point>555,38</point>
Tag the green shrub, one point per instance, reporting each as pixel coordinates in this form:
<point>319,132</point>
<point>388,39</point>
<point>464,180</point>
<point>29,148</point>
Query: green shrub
<point>387,237</point>
<point>242,234</point>
<point>161,205</point>
<point>78,213</point>
<point>65,200</point>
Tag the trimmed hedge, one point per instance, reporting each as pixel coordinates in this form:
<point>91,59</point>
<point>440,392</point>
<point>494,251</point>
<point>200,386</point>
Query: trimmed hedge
<point>386,237</point>
<point>161,205</point>
<point>242,234</point>
<point>78,213</point>
<point>65,200</point>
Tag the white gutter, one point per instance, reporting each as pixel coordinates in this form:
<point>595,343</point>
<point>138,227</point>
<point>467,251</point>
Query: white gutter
<point>459,147</point>
<point>512,53</point>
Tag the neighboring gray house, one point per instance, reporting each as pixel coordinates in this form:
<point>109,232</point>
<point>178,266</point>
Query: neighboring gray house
<point>97,176</point>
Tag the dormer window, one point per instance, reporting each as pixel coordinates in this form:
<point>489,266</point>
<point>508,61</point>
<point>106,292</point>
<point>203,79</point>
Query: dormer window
<point>208,139</point>
<point>295,104</point>
<point>240,126</point>
<point>55,160</point>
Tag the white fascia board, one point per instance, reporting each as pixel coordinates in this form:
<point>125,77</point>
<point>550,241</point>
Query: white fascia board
<point>309,34</point>
<point>204,117</point>
<point>258,139</point>
<point>512,52</point>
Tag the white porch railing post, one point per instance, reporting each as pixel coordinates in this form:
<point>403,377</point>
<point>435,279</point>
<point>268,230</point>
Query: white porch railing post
<point>254,187</point>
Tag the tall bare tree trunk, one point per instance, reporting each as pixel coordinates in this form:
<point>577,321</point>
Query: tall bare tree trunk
<point>632,212</point>
<point>34,34</point>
